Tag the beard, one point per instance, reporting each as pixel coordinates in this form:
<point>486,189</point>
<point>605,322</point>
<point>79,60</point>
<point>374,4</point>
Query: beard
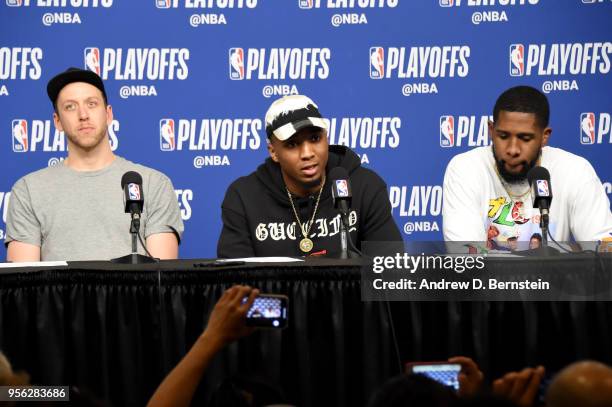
<point>313,184</point>
<point>518,177</point>
<point>88,143</point>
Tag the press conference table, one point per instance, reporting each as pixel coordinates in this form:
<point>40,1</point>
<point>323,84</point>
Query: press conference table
<point>118,329</point>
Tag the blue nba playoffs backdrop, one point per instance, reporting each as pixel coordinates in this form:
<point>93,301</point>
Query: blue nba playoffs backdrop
<point>406,83</point>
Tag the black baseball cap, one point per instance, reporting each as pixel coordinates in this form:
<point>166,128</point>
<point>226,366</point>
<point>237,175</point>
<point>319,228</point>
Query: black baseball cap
<point>70,75</point>
<point>289,114</point>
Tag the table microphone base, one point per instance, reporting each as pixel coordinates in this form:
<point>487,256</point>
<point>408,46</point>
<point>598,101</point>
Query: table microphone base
<point>350,255</point>
<point>541,251</point>
<point>133,258</point>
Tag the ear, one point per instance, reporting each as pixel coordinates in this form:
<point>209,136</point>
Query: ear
<point>546,135</point>
<point>56,120</point>
<point>272,151</point>
<point>109,115</point>
<point>491,130</point>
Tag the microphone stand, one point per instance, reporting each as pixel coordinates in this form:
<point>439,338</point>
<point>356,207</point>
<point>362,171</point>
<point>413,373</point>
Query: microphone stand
<point>134,257</point>
<point>347,247</point>
<point>544,225</point>
<point>545,249</point>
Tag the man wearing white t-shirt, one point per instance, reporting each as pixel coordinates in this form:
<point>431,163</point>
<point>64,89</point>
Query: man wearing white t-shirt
<point>486,193</point>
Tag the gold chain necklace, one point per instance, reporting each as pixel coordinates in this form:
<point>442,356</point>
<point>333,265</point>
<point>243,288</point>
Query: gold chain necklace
<point>306,244</point>
<point>514,197</point>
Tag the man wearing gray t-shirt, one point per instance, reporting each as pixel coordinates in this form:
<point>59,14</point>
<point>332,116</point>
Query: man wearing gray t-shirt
<point>75,210</point>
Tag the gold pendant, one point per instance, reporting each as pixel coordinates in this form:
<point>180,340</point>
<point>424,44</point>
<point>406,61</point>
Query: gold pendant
<point>306,245</point>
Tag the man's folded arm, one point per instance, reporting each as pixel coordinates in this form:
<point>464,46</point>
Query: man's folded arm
<point>21,252</point>
<point>23,236</point>
<point>590,215</point>
<point>164,226</point>
<point>163,245</point>
<point>235,239</point>
<point>379,225</point>
<point>461,217</point>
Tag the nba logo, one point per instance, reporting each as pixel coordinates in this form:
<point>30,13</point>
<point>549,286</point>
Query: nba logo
<point>587,128</point>
<point>236,63</point>
<point>446,3</point>
<point>305,3</point>
<point>542,187</point>
<point>13,3</point>
<point>133,192</point>
<point>162,3</point>
<point>447,131</point>
<point>342,187</point>
<point>19,132</point>
<point>92,59</point>
<point>377,62</point>
<point>167,139</point>
<point>517,60</point>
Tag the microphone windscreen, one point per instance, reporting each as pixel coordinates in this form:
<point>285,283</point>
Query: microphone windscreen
<point>131,177</point>
<point>538,172</point>
<point>338,173</point>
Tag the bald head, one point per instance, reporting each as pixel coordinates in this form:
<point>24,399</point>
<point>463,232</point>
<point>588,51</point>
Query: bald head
<point>8,377</point>
<point>5,369</point>
<point>585,384</point>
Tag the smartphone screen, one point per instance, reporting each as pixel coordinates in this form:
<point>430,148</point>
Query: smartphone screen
<point>442,372</point>
<point>268,311</point>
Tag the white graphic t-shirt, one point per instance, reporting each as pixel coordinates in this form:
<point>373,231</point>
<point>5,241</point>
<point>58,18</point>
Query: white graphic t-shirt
<point>479,208</point>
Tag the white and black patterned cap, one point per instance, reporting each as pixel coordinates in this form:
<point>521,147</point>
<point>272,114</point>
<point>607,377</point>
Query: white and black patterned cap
<point>289,114</point>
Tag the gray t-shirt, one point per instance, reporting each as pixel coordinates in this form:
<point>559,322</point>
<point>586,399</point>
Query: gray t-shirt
<point>79,215</point>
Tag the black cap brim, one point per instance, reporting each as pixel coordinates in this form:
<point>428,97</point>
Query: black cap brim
<point>289,130</point>
<point>57,83</point>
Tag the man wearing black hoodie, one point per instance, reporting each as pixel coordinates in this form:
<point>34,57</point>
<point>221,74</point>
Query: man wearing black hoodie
<point>285,208</point>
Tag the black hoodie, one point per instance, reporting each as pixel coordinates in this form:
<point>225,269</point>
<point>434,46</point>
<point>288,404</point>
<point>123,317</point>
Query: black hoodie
<point>258,219</point>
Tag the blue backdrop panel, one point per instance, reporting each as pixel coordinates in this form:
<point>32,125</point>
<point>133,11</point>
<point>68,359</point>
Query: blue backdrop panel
<point>190,81</point>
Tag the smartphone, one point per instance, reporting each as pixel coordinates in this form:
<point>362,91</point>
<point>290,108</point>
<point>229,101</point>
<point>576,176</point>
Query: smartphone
<point>268,311</point>
<point>442,372</point>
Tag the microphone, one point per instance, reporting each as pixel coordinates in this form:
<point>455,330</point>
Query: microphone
<point>131,183</point>
<point>341,190</point>
<point>541,191</point>
<point>342,198</point>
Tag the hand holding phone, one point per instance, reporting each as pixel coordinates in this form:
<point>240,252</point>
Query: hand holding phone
<point>470,377</point>
<point>268,311</point>
<point>226,321</point>
<point>445,373</point>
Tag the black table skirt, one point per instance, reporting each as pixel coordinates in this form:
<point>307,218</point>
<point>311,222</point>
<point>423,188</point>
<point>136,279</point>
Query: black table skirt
<point>117,330</point>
